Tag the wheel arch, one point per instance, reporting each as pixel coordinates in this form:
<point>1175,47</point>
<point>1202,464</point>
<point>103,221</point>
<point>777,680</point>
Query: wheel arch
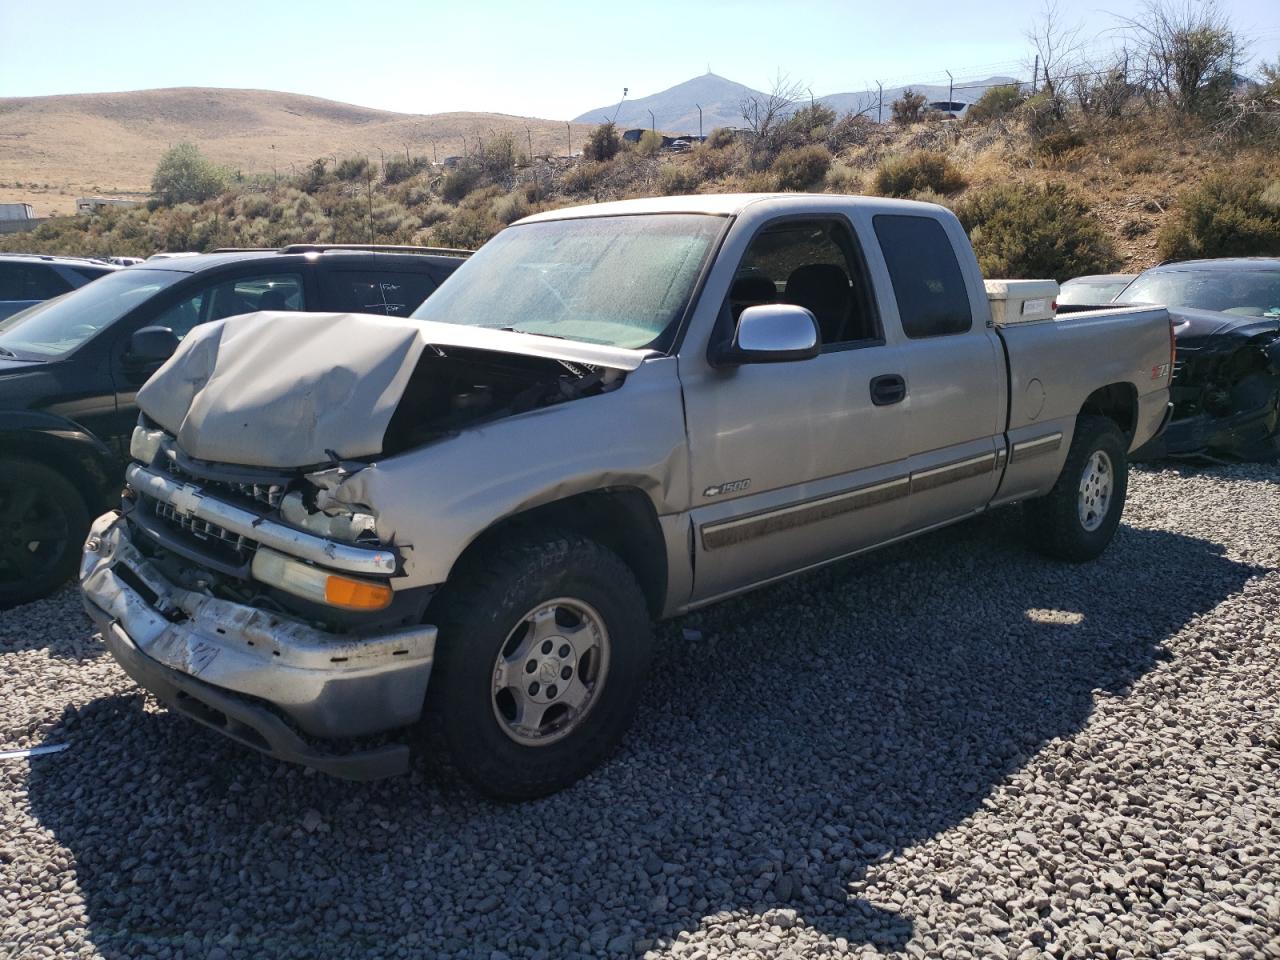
<point>622,519</point>
<point>86,463</point>
<point>1118,402</point>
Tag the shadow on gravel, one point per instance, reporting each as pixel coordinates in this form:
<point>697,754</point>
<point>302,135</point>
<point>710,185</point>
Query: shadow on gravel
<point>812,730</point>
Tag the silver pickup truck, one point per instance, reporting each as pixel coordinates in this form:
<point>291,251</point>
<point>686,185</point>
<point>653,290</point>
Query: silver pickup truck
<point>339,527</point>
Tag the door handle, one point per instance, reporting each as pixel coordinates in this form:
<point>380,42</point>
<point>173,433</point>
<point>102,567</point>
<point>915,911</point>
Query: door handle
<point>887,389</point>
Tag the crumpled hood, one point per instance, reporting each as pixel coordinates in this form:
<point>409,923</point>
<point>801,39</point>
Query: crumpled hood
<point>1190,324</point>
<point>277,389</point>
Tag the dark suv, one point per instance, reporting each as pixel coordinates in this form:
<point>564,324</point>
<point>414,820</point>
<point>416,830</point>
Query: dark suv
<point>28,279</point>
<point>70,367</point>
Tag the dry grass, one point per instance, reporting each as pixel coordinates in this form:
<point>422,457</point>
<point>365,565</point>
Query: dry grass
<point>111,142</point>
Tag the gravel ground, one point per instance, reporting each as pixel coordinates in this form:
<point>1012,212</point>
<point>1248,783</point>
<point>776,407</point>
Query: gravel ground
<point>951,748</point>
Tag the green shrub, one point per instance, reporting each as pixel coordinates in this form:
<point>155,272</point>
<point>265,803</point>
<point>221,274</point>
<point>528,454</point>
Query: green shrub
<point>909,108</point>
<point>510,207</point>
<point>432,213</point>
<point>721,137</point>
<point>469,228</point>
<point>583,177</point>
<point>1025,231</point>
<point>843,179</point>
<point>678,178</point>
<point>921,170</point>
<point>602,143</point>
<point>459,181</point>
<point>499,154</point>
<point>808,125</point>
<point>996,103</point>
<point>801,168</point>
<point>352,168</point>
<point>396,170</point>
<point>1227,215</point>
<point>184,175</point>
<point>649,144</point>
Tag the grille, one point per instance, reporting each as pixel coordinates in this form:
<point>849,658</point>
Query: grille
<point>204,530</point>
<point>265,494</point>
<point>1181,357</point>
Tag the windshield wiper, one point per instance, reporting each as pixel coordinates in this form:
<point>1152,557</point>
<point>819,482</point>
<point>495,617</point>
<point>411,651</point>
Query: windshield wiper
<point>534,333</point>
<point>6,352</point>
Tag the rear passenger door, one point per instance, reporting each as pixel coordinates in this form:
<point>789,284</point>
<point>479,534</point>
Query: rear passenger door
<point>955,366</point>
<point>392,293</point>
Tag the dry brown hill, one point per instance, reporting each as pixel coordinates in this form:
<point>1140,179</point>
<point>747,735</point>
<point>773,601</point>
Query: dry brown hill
<point>68,146</point>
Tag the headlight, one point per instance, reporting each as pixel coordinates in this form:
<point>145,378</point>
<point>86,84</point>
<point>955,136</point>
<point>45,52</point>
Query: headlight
<point>337,523</point>
<point>145,444</point>
<point>318,585</point>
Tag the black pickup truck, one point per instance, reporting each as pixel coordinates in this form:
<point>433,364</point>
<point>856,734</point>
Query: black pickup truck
<point>71,366</point>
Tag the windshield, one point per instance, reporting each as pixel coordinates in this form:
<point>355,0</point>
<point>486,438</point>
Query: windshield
<point>1090,292</point>
<point>621,281</point>
<point>56,327</point>
<point>1246,293</point>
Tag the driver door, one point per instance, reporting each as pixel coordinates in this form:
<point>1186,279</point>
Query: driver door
<point>794,464</point>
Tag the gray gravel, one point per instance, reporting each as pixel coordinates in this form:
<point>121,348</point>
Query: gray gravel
<point>952,748</point>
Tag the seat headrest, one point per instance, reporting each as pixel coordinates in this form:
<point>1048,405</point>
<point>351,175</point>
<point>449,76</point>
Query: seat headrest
<point>753,290</point>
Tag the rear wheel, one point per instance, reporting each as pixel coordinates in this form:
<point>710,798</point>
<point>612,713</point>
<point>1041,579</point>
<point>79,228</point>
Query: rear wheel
<point>43,522</point>
<point>1078,517</point>
<point>544,646</point>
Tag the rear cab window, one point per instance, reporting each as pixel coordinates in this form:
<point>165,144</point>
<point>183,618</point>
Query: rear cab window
<point>928,286</point>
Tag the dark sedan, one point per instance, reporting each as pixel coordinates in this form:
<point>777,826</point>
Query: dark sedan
<point>71,366</point>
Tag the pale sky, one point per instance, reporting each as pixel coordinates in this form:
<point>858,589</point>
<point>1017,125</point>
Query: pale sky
<point>552,59</point>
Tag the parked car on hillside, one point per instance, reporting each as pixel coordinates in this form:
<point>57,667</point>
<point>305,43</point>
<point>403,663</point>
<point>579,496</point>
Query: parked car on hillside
<point>1094,290</point>
<point>69,370</point>
<point>1226,381</point>
<point>28,279</point>
<point>610,413</point>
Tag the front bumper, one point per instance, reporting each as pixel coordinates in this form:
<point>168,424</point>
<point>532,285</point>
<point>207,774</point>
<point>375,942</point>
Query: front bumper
<point>264,680</point>
<point>1248,433</point>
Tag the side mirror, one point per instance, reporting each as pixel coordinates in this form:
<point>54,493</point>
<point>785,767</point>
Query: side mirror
<point>151,345</point>
<point>772,333</point>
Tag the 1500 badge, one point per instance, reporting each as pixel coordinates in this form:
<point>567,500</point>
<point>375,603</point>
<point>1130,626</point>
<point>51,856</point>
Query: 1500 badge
<point>733,486</point>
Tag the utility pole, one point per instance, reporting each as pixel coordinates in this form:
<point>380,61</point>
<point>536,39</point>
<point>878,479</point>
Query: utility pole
<point>619,106</point>
<point>569,127</point>
<point>1035,75</point>
<point>880,106</point>
<point>951,91</point>
<point>652,123</point>
<point>699,106</point>
<point>530,135</point>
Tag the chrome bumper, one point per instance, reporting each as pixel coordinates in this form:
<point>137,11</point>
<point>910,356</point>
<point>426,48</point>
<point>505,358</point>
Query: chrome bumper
<point>179,643</point>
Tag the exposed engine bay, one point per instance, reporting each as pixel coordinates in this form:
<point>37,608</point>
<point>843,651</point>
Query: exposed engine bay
<point>455,388</point>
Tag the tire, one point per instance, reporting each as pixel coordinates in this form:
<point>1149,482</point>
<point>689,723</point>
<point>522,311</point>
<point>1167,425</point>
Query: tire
<point>43,523</point>
<point>1073,522</point>
<point>516,740</point>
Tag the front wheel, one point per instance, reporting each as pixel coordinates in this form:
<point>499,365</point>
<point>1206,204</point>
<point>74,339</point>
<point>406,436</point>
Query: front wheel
<point>43,523</point>
<point>1078,517</point>
<point>544,647</point>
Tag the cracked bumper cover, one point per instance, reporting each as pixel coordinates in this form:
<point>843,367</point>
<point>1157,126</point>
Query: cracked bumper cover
<point>243,671</point>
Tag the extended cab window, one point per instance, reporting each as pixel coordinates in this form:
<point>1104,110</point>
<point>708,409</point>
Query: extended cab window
<point>366,291</point>
<point>281,291</point>
<point>927,284</point>
<point>812,264</point>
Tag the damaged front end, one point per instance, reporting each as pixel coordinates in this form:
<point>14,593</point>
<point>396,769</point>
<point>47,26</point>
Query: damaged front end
<point>246,580</point>
<point>1225,393</point>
